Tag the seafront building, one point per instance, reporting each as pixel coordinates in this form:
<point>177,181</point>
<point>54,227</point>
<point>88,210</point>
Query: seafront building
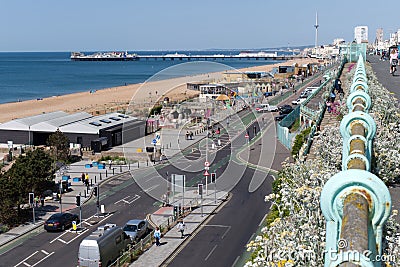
<point>361,34</point>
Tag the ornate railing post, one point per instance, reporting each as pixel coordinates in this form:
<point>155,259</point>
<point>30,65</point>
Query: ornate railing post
<point>355,202</point>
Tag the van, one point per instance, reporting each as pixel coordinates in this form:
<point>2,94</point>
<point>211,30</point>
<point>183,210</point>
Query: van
<point>266,107</point>
<point>103,246</point>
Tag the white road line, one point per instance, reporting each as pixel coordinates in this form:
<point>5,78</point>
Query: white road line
<point>251,237</point>
<point>151,179</point>
<point>104,218</point>
<point>151,188</point>
<point>263,219</point>
<point>227,230</point>
<point>43,259</point>
<point>26,264</point>
<point>190,165</point>
<point>23,261</point>
<point>209,254</point>
<point>62,241</point>
<point>121,200</point>
<point>77,236</point>
<point>218,225</point>
<point>87,223</point>
<point>234,263</point>
<point>58,237</point>
<point>44,252</point>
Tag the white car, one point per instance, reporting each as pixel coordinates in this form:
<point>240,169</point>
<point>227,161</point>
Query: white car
<point>298,101</point>
<point>266,107</point>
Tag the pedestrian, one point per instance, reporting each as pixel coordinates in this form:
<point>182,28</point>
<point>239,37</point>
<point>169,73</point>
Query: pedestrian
<point>36,200</point>
<point>157,236</point>
<point>83,178</point>
<point>42,201</point>
<point>181,228</point>
<point>87,179</point>
<point>328,105</point>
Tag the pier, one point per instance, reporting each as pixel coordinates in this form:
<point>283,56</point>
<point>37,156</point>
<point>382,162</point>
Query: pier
<point>218,57</point>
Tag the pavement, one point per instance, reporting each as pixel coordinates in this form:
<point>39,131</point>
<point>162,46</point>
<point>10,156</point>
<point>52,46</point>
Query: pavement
<point>171,242</point>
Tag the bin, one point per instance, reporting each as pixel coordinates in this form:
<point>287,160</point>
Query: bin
<point>76,179</point>
<point>101,166</point>
<point>88,166</point>
<point>95,163</point>
<point>65,177</point>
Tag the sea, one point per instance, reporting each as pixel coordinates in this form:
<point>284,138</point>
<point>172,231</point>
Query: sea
<point>36,75</point>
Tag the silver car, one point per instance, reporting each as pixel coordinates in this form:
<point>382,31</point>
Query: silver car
<point>136,229</point>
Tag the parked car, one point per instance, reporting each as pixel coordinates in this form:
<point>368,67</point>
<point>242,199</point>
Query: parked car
<point>284,106</point>
<point>266,107</point>
<point>136,229</point>
<point>285,111</point>
<point>298,101</point>
<point>103,246</point>
<point>280,117</point>
<point>60,221</point>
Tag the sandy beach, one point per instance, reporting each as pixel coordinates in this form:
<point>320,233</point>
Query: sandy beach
<point>118,98</point>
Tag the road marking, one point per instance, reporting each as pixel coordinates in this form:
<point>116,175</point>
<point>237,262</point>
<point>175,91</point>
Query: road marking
<point>209,254</point>
<point>234,263</point>
<point>263,219</point>
<point>57,237</point>
<point>23,261</point>
<point>77,236</point>
<point>45,252</point>
<point>43,259</point>
<point>190,165</point>
<point>62,241</point>
<point>26,264</point>
<point>151,188</point>
<point>227,230</point>
<point>251,237</point>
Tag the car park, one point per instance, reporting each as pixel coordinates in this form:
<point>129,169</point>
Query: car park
<point>136,229</point>
<point>60,221</point>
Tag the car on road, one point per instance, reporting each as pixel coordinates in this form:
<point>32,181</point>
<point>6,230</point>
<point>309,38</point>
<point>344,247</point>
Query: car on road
<point>266,107</point>
<point>136,229</point>
<point>298,101</point>
<point>285,111</point>
<point>60,221</point>
<point>280,117</point>
<point>284,106</point>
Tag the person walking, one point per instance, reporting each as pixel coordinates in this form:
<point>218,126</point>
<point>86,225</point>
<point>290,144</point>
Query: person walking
<point>83,178</point>
<point>157,236</point>
<point>87,179</point>
<point>181,228</point>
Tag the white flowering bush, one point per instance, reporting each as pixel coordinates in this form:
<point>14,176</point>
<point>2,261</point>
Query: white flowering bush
<point>295,231</point>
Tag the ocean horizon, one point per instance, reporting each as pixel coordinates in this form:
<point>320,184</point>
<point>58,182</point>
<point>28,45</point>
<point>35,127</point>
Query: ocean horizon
<point>34,75</point>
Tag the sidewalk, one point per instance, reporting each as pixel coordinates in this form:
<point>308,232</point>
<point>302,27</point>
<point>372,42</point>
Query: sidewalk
<point>171,241</point>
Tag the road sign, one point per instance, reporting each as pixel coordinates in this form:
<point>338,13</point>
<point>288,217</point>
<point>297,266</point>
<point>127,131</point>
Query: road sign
<point>154,141</point>
<point>207,164</point>
<point>206,168</point>
<point>206,173</point>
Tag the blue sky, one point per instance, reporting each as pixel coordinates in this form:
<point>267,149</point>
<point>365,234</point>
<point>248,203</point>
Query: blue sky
<point>92,25</point>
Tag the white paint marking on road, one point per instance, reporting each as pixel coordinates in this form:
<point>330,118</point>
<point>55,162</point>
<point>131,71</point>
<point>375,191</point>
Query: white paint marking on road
<point>209,254</point>
<point>26,264</point>
<point>121,200</point>
<point>227,230</point>
<point>58,237</point>
<point>62,241</point>
<point>190,165</point>
<point>77,236</point>
<point>44,252</point>
<point>43,259</point>
<point>251,237</point>
<point>151,188</point>
<point>23,261</point>
<point>217,225</point>
<point>87,223</point>
<point>104,219</point>
<point>234,263</point>
<point>263,219</point>
<point>154,177</point>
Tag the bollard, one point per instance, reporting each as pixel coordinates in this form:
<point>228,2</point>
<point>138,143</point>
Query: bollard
<point>85,193</point>
<point>120,168</point>
<point>91,182</point>
<point>100,176</point>
<point>113,170</point>
<point>147,163</point>
<point>95,179</point>
<point>138,164</point>
<point>106,174</point>
<point>129,165</point>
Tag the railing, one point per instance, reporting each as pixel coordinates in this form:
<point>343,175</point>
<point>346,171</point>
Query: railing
<point>355,202</point>
<point>321,113</point>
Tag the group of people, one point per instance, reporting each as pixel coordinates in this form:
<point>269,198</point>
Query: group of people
<point>85,179</point>
<point>330,103</point>
<point>189,135</point>
<point>157,233</point>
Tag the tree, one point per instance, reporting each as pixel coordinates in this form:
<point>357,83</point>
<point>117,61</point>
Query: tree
<point>30,173</point>
<point>59,146</point>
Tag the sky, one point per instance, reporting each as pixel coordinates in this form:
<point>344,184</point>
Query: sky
<point>134,25</point>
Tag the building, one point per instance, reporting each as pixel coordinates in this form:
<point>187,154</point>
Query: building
<point>361,34</point>
<point>212,91</point>
<point>80,128</point>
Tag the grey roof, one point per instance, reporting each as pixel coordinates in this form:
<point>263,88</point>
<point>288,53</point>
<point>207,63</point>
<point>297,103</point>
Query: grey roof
<point>54,124</point>
<point>24,124</point>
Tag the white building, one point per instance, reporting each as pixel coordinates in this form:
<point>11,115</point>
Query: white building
<point>361,34</point>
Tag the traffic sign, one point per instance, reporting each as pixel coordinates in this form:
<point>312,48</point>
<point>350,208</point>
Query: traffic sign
<point>206,173</point>
<point>154,141</point>
<point>206,168</point>
<point>207,164</point>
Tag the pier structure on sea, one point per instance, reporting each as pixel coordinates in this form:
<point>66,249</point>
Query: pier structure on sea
<point>241,56</point>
